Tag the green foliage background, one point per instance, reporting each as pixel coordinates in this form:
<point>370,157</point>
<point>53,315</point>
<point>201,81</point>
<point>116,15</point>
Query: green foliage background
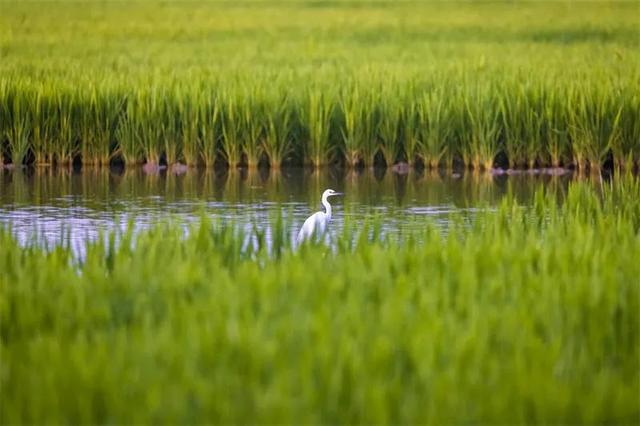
<point>544,83</point>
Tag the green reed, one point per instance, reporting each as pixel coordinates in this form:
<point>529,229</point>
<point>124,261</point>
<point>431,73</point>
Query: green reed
<point>517,315</point>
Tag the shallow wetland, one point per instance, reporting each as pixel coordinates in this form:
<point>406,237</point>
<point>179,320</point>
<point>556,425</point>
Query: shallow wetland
<point>61,202</point>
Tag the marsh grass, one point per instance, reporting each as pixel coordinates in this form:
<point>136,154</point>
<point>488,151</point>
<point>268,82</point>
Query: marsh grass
<point>519,315</point>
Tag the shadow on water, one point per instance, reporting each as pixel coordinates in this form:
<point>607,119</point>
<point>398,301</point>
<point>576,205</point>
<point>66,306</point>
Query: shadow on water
<point>58,202</point>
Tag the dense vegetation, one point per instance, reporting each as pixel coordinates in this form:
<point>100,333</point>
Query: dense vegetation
<point>524,84</point>
<point>519,315</point>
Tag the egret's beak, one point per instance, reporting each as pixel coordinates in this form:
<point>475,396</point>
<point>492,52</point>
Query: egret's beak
<point>338,193</point>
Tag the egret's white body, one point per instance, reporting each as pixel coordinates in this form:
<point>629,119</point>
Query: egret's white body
<point>316,224</point>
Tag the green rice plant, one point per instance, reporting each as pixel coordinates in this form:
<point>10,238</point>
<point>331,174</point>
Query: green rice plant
<point>594,128</point>
<point>410,131</point>
<point>522,117</point>
<point>370,116</point>
<point>555,131</point>
<point>276,143</point>
<point>18,130</point>
<point>317,117</point>
<point>44,125</point>
<point>435,129</point>
<point>5,118</point>
<point>352,134</point>
<point>147,116</point>
<point>358,128</point>
<point>66,122</point>
<point>128,146</point>
<point>98,120</point>
<point>231,129</point>
<point>89,146</point>
<point>209,129</point>
<point>389,116</point>
<point>626,147</point>
<point>189,129</point>
<point>170,131</point>
<point>139,133</point>
<point>252,130</point>
<point>480,132</point>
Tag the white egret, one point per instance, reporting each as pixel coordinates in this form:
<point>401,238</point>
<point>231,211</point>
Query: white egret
<point>317,222</point>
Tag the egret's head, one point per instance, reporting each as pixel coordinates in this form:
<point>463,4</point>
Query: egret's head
<point>329,193</point>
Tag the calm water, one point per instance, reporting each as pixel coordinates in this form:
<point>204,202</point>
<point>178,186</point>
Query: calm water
<point>77,204</point>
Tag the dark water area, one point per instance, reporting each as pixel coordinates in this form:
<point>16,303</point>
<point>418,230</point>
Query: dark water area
<point>60,204</point>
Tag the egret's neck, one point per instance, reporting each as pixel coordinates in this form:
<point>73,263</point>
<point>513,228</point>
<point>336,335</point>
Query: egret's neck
<point>327,207</point>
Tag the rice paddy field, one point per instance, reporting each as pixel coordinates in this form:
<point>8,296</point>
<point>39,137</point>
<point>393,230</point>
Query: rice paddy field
<point>218,84</point>
<point>157,159</point>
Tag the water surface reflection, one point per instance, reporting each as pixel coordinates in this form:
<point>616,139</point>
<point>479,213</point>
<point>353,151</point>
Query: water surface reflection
<point>62,203</point>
